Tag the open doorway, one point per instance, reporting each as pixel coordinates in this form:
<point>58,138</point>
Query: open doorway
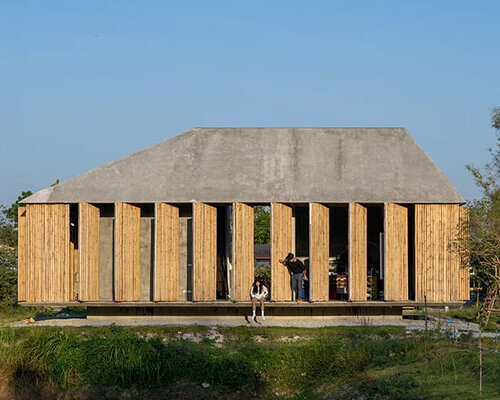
<point>375,252</point>
<point>185,252</point>
<point>338,253</point>
<point>411,252</point>
<point>301,240</point>
<point>224,239</point>
<point>262,244</point>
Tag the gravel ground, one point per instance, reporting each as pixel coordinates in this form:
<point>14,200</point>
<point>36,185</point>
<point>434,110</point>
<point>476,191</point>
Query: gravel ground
<point>454,326</point>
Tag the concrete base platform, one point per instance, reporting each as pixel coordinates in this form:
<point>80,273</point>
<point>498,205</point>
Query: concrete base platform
<point>276,314</point>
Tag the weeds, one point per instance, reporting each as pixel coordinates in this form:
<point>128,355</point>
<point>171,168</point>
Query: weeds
<point>374,362</point>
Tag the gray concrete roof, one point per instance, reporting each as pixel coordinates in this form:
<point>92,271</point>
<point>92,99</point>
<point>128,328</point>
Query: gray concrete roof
<point>261,165</point>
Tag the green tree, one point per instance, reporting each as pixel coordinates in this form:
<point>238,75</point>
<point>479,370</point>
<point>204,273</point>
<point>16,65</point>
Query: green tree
<point>8,252</point>
<point>262,232</point>
<point>11,212</point>
<point>484,227</point>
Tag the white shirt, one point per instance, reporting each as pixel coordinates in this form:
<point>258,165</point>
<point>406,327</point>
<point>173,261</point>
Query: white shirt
<point>258,295</point>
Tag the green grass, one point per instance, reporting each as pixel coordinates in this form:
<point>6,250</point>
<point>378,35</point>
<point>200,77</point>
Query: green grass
<point>467,314</point>
<point>275,363</point>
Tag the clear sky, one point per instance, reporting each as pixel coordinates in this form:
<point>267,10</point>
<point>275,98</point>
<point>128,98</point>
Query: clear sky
<point>85,82</point>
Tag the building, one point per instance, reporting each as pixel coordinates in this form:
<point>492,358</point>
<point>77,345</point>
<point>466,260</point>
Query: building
<point>173,224</point>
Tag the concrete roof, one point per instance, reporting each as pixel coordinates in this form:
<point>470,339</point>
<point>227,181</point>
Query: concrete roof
<point>262,165</point>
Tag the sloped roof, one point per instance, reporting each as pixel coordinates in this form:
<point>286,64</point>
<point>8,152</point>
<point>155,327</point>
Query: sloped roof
<point>262,165</point>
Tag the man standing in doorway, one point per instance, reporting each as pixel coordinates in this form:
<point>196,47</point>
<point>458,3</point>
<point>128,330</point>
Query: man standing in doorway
<point>297,271</point>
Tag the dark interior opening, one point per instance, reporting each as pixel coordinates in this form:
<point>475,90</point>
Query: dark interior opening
<point>185,252</point>
<point>375,252</point>
<point>338,253</point>
<point>301,218</point>
<point>106,251</point>
<point>224,236</point>
<point>411,252</point>
<point>74,249</point>
<point>147,245</point>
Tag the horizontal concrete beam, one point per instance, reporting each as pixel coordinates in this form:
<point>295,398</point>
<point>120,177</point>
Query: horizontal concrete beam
<point>228,304</point>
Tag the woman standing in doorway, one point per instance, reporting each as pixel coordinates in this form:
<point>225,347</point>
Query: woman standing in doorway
<point>258,293</point>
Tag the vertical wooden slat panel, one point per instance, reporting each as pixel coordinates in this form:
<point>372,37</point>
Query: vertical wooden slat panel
<point>166,265</point>
<point>127,252</point>
<point>89,221</point>
<point>437,265</point>
<point>243,250</point>
<point>357,252</point>
<point>205,252</point>
<point>396,252</point>
<point>47,262</point>
<point>319,243</point>
<point>463,283</point>
<point>281,245</point>
<point>21,254</point>
<point>74,269</point>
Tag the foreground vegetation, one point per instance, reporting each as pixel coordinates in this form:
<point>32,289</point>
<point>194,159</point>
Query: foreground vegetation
<point>281,363</point>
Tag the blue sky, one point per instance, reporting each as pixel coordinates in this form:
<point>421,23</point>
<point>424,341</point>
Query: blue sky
<point>85,82</point>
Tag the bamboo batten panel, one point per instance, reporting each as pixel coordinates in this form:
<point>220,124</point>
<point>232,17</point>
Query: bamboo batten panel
<point>21,253</point>
<point>166,254</point>
<point>88,226</point>
<point>462,284</point>
<point>205,252</point>
<point>48,253</point>
<point>74,267</point>
<point>358,245</point>
<point>281,245</point>
<point>127,252</point>
<point>319,252</point>
<point>436,259</point>
<point>395,252</point>
<point>243,250</point>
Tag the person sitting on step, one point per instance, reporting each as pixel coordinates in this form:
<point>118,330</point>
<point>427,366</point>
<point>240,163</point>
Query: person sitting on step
<point>258,293</point>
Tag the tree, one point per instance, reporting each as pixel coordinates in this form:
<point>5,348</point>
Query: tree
<point>262,234</point>
<point>484,227</point>
<point>11,212</point>
<point>8,253</point>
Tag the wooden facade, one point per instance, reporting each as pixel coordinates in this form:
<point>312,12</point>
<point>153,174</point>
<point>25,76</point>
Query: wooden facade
<point>51,261</point>
<point>281,245</point>
<point>395,252</point>
<point>438,269</point>
<point>21,251</point>
<point>319,244</point>
<point>462,279</point>
<point>88,224</point>
<point>358,243</point>
<point>45,255</point>
<point>243,250</point>
<point>127,252</point>
<point>205,252</point>
<point>166,261</point>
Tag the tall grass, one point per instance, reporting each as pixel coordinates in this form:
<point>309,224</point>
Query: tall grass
<point>374,362</point>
